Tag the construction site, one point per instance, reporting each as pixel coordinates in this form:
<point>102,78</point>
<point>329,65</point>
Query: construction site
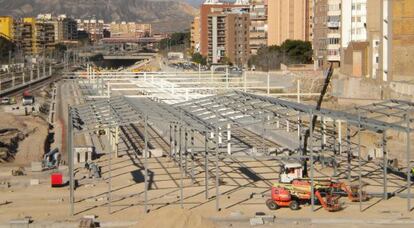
<point>211,149</point>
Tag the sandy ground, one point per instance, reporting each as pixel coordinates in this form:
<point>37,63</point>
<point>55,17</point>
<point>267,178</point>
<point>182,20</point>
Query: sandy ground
<point>32,147</point>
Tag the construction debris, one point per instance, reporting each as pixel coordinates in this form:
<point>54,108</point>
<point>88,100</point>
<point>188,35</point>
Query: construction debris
<point>18,172</point>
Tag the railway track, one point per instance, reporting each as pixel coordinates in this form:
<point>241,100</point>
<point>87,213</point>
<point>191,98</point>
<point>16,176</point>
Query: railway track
<point>36,85</point>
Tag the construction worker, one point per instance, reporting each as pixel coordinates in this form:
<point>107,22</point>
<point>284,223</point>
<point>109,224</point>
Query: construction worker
<point>412,173</point>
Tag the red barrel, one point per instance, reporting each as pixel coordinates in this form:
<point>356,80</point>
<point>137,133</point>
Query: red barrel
<point>56,179</point>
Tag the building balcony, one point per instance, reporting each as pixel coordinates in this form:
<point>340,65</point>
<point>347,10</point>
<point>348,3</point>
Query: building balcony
<point>333,24</point>
<point>332,58</point>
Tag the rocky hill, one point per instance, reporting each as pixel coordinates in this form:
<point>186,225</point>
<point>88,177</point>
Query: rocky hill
<point>166,15</point>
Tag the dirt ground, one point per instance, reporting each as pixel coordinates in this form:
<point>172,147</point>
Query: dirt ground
<point>238,193</point>
<point>35,129</point>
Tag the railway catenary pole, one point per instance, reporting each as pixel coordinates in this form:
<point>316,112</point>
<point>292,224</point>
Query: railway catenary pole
<point>70,158</point>
<point>385,163</point>
<point>311,162</point>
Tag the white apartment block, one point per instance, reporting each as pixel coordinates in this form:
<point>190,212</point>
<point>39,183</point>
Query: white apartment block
<point>354,19</point>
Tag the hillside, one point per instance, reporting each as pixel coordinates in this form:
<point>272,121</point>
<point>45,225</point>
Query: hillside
<point>166,15</point>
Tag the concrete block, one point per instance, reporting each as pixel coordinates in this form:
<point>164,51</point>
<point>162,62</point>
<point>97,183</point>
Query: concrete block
<point>83,154</point>
<point>19,222</point>
<point>267,218</point>
<point>36,167</point>
<point>256,221</point>
<point>156,153</point>
<point>34,182</point>
<point>4,185</point>
<point>90,200</point>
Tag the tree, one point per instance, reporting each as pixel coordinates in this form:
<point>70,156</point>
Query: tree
<point>176,39</point>
<point>290,52</point>
<point>198,58</point>
<point>297,51</point>
<point>225,61</point>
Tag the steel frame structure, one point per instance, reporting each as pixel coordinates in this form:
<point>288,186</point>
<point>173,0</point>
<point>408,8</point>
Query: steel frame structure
<point>215,117</point>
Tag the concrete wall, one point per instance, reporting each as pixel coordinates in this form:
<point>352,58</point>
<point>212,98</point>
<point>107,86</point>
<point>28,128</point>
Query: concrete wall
<point>356,88</point>
<point>354,59</point>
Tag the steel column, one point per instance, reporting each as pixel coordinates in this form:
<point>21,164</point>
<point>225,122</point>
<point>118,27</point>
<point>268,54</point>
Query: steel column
<point>206,163</point>
<point>359,163</point>
<point>408,157</point>
<point>349,155</point>
<point>385,163</point>
<point>71,162</point>
<point>109,145</point>
<point>217,171</point>
<point>311,163</point>
<point>181,170</point>
<point>146,163</point>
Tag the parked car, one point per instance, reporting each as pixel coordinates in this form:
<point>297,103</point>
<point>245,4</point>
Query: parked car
<point>5,100</point>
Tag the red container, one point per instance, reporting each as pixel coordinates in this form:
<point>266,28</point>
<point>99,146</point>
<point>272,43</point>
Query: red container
<point>56,179</point>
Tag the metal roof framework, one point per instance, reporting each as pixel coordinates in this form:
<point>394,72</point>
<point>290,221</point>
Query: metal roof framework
<point>239,109</point>
<point>102,114</point>
<point>243,109</point>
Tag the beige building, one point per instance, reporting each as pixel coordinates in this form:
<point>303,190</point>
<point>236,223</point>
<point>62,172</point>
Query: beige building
<point>402,58</point>
<point>129,30</point>
<point>309,20</point>
<point>195,34</point>
<point>384,60</point>
<point>287,19</point>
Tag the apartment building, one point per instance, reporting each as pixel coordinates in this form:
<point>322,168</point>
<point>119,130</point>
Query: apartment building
<point>353,22</point>
<point>320,33</point>
<point>93,27</point>
<point>258,25</point>
<point>327,33</point>
<point>288,19</point>
<point>228,37</point>
<point>6,27</point>
<point>214,6</point>
<point>309,14</point>
<point>34,36</point>
<point>195,34</point>
<point>129,30</point>
<point>65,28</point>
